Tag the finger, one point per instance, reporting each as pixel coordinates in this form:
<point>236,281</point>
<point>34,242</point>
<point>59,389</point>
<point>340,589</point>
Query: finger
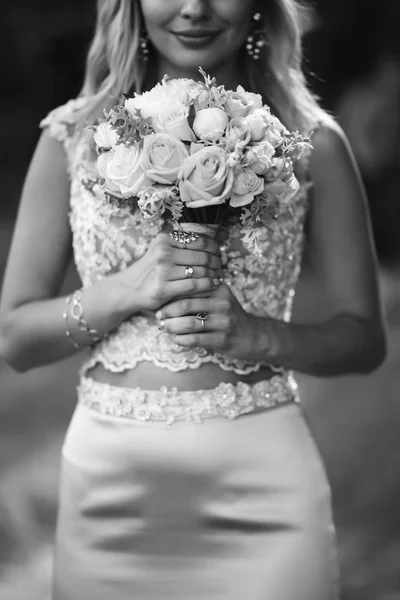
<point>183,307</point>
<point>215,340</point>
<point>192,324</point>
<point>190,287</point>
<point>198,258</point>
<point>192,306</point>
<point>190,272</point>
<point>197,242</point>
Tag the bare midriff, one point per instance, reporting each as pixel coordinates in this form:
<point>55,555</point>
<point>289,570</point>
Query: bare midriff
<point>148,376</point>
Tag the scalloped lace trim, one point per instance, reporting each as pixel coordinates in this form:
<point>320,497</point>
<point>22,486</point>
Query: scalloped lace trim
<point>61,119</point>
<point>137,341</point>
<point>227,400</point>
<point>62,125</point>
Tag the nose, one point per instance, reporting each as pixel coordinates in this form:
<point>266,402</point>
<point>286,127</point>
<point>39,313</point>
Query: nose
<point>195,10</point>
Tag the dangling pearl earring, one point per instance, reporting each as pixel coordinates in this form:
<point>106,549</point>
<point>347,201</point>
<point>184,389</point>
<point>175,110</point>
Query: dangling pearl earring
<point>256,39</point>
<point>144,46</point>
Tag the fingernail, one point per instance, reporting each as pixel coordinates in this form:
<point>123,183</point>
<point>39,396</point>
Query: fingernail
<point>158,315</point>
<point>217,281</point>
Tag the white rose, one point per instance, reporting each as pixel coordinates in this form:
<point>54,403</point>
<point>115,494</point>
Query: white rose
<point>172,118</point>
<point>137,103</point>
<point>167,106</point>
<point>105,136</point>
<point>162,157</point>
<point>205,178</point>
<point>237,131</point>
<point>102,164</point>
<point>258,157</point>
<point>247,185</point>
<point>256,123</point>
<point>182,90</point>
<point>132,105</point>
<point>242,103</point>
<point>122,171</point>
<point>274,131</point>
<point>149,102</point>
<point>210,123</point>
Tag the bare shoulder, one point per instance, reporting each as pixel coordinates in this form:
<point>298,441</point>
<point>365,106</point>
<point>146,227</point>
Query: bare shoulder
<point>51,148</point>
<point>332,151</point>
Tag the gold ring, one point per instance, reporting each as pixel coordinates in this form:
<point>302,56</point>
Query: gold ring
<point>189,272</point>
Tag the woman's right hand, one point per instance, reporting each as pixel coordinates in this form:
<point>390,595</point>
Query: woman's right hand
<point>159,276</point>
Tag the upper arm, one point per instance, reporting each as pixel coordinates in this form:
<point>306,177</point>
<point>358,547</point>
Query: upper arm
<point>41,242</point>
<point>340,238</point>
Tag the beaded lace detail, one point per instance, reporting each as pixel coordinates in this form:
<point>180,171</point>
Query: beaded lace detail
<point>227,400</point>
<point>107,239</point>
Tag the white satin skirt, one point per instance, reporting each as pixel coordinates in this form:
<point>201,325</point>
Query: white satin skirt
<point>226,509</point>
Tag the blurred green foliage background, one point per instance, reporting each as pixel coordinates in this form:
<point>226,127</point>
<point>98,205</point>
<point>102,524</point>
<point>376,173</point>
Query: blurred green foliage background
<point>352,51</point>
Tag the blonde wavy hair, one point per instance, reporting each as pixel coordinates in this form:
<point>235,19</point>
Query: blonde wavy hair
<point>114,63</point>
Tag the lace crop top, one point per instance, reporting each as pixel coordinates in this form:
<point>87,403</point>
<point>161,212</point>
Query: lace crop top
<point>107,238</point>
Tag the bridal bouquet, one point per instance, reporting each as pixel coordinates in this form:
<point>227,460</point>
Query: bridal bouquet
<point>195,149</point>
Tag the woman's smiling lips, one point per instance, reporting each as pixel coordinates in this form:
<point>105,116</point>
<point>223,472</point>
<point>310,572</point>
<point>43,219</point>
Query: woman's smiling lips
<point>196,38</point>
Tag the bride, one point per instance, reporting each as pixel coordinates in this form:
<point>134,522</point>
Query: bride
<point>188,469</point>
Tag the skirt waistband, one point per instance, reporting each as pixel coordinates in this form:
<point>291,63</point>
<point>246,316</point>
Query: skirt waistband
<point>227,400</point>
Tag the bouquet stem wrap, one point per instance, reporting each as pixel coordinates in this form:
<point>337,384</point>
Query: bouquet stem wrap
<point>210,229</point>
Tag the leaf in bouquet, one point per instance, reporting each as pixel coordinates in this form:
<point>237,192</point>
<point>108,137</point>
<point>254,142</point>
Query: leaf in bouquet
<point>294,145</point>
<point>250,240</point>
<point>209,81</point>
<point>130,128</point>
<point>262,211</point>
<point>124,125</point>
<point>253,213</point>
<point>217,93</point>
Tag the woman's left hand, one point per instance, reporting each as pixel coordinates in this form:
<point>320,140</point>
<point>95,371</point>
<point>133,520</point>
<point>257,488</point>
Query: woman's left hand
<point>226,327</point>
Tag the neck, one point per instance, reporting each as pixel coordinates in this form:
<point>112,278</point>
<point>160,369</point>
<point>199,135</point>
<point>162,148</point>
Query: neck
<point>226,74</point>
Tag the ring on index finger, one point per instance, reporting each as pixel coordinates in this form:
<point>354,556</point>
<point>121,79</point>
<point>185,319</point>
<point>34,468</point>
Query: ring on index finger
<point>184,237</point>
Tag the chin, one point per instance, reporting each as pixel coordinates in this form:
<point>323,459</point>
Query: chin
<point>203,60</point>
<point>189,59</point>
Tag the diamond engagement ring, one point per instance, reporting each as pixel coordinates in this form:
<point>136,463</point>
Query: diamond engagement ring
<point>189,272</point>
<point>184,237</point>
<point>202,316</point>
<point>161,324</point>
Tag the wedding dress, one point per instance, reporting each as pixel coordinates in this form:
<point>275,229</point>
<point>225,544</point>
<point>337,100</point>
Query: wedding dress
<point>187,495</point>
